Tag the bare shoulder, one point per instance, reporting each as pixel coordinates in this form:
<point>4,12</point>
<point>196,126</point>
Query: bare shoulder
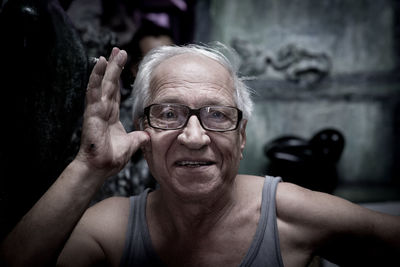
<point>100,234</point>
<point>108,222</point>
<point>306,221</point>
<point>109,210</point>
<point>250,181</point>
<point>107,216</point>
<point>292,200</point>
<point>312,218</point>
<point>308,209</point>
<point>298,204</point>
<point>250,185</point>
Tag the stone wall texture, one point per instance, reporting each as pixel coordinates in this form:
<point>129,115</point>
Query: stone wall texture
<point>318,64</point>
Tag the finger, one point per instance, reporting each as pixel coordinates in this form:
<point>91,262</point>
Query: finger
<point>139,138</point>
<point>110,86</point>
<point>113,53</point>
<point>93,90</point>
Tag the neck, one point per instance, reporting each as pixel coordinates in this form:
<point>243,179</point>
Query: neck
<point>192,217</point>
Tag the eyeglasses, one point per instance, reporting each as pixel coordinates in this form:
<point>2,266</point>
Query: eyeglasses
<point>176,116</point>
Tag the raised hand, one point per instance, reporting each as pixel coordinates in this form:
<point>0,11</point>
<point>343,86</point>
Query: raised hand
<point>105,145</point>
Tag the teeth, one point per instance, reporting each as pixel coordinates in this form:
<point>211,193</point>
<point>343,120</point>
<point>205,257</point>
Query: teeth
<point>193,163</point>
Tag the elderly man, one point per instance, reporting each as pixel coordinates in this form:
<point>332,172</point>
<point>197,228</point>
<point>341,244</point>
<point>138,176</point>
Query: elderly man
<point>192,110</point>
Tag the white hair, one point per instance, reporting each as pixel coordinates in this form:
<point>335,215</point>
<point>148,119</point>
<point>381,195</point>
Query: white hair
<point>218,52</point>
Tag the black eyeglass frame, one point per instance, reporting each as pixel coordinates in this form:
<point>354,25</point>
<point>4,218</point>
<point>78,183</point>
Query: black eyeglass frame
<point>192,112</point>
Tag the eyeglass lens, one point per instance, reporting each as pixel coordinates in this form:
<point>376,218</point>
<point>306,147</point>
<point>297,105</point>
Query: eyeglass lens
<point>174,116</point>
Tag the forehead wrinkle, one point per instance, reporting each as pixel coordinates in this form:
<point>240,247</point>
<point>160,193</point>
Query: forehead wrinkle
<point>208,94</point>
<point>159,80</point>
<point>206,76</point>
<point>194,100</point>
<point>195,66</point>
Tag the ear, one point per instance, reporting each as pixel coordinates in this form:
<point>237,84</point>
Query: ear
<point>242,133</point>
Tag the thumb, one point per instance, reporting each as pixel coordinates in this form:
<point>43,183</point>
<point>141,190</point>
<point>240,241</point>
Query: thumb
<point>139,138</point>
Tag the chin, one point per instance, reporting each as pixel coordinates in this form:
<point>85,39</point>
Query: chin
<point>200,189</point>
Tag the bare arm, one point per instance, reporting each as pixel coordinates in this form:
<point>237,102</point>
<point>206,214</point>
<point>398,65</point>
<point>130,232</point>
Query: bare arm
<point>336,229</point>
<point>99,237</point>
<point>105,148</point>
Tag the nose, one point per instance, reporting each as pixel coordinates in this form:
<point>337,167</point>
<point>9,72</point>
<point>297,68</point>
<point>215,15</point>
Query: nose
<point>193,135</point>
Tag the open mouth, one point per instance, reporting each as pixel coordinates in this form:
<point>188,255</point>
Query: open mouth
<point>193,164</point>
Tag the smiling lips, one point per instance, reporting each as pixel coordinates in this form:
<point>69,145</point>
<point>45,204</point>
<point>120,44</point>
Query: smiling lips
<point>193,163</point>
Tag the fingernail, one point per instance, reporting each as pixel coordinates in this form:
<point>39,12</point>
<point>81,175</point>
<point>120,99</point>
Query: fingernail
<point>115,51</point>
<point>118,55</point>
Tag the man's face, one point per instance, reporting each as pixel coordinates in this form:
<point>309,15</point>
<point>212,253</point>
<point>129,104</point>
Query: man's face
<point>192,162</point>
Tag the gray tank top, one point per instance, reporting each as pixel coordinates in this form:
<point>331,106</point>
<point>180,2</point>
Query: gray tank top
<point>264,249</point>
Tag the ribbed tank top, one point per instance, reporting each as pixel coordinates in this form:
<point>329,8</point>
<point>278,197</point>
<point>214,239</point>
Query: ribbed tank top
<point>264,249</point>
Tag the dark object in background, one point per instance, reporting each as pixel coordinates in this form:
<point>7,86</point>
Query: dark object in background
<point>135,52</point>
<point>308,163</point>
<point>44,72</point>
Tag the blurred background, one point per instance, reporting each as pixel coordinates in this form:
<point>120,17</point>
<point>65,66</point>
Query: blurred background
<point>325,76</point>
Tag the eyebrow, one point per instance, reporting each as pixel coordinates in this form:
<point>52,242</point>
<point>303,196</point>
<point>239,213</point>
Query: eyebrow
<point>208,102</point>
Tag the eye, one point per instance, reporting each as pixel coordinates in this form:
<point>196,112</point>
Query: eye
<point>168,114</point>
<point>217,115</point>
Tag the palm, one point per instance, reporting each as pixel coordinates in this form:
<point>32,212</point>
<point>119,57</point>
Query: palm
<point>105,144</point>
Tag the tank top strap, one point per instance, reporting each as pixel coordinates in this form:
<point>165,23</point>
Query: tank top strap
<point>138,249</point>
<point>265,248</point>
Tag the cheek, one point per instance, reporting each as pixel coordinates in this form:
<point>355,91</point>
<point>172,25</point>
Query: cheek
<point>156,150</point>
<point>229,148</point>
